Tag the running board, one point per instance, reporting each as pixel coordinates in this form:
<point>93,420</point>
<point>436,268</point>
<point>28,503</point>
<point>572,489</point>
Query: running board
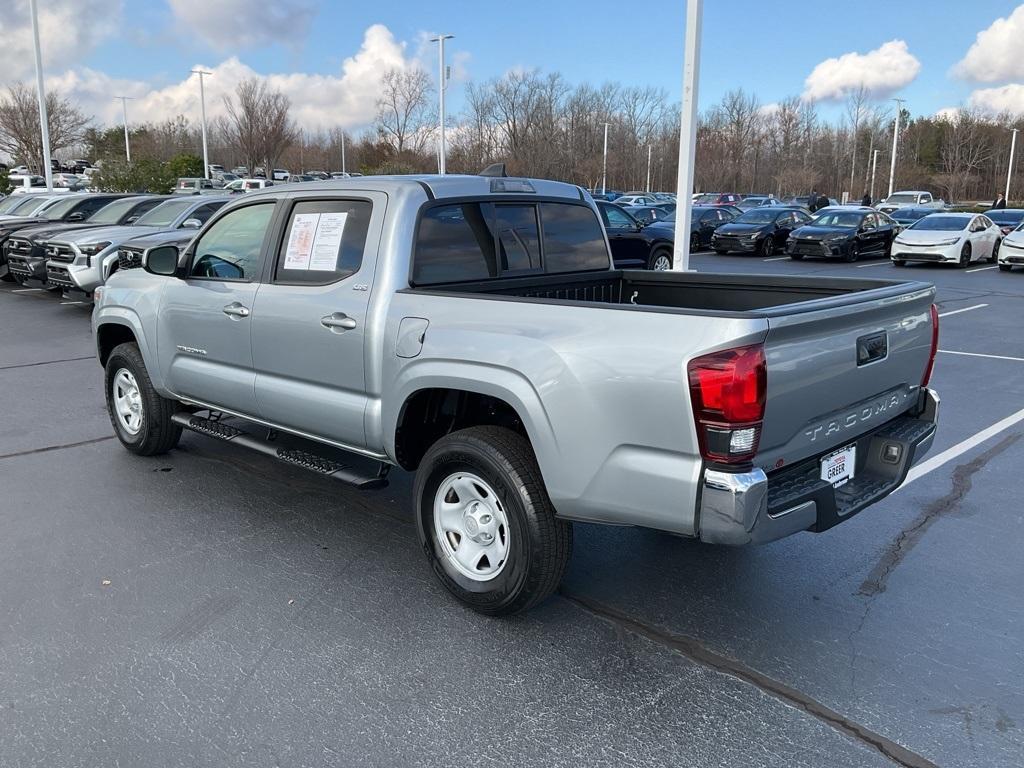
<point>322,465</point>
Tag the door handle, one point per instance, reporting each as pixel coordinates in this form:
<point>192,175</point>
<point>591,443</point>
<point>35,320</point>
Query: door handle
<point>236,310</point>
<point>338,322</point>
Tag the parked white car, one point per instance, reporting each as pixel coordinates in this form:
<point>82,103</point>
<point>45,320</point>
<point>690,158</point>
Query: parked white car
<point>1011,250</point>
<point>958,238</point>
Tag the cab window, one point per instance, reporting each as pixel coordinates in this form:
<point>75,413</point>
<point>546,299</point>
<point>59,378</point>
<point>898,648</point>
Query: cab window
<point>230,249</point>
<point>323,241</point>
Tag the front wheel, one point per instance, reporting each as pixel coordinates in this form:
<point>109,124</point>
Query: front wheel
<point>486,523</point>
<point>660,261</point>
<point>899,263</point>
<point>1005,267</point>
<point>694,242</point>
<point>796,256</point>
<point>965,256</point>
<point>852,253</point>
<point>141,417</point>
<point>766,247</point>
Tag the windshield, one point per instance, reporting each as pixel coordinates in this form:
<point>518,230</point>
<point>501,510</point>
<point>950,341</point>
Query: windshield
<point>112,213</point>
<point>8,204</point>
<point>31,205</point>
<point>909,214</point>
<point>902,198</point>
<point>756,217</point>
<point>837,219</point>
<point>164,214</point>
<point>1006,217</point>
<point>936,223</point>
<point>59,210</point>
<point>706,198</point>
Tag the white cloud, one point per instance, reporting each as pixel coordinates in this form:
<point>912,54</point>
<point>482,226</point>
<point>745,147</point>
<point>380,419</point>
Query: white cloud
<point>232,24</point>
<point>881,71</point>
<point>1006,98</point>
<point>347,99</point>
<point>948,114</point>
<point>995,54</point>
<point>68,31</point>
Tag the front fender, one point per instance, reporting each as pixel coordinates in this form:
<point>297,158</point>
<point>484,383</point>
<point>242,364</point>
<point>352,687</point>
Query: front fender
<point>127,317</point>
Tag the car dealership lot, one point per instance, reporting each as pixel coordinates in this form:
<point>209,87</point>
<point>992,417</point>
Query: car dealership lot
<point>211,607</point>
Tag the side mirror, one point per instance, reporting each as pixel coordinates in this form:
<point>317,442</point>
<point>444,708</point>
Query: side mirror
<point>131,220</point>
<point>162,260</point>
<point>191,224</point>
<point>76,216</point>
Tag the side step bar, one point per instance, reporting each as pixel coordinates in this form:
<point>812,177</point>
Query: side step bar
<point>322,465</point>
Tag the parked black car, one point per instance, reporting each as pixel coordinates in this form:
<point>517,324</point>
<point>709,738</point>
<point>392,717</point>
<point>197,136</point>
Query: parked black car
<point>1007,219</point>
<point>647,214</point>
<point>843,234</point>
<point>633,245</point>
<point>26,251</point>
<point>759,230</point>
<point>907,216</point>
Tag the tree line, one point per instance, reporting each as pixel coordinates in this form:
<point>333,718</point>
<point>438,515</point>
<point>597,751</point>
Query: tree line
<point>541,125</point>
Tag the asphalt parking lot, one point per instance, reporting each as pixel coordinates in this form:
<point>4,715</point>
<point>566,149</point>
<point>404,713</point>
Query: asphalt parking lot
<point>213,608</point>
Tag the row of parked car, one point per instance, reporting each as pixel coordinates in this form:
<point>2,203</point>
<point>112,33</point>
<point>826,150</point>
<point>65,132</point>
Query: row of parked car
<point>73,242</point>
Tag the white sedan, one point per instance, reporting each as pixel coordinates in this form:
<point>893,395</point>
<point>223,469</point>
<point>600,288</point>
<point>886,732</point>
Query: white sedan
<point>1011,250</point>
<point>958,238</point>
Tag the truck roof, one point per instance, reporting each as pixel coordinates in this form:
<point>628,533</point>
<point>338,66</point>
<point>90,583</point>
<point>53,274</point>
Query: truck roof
<point>439,187</point>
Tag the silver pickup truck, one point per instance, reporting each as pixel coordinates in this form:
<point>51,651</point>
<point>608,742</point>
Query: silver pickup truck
<point>471,329</point>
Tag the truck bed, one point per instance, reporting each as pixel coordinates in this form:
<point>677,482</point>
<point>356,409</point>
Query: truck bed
<point>690,292</point>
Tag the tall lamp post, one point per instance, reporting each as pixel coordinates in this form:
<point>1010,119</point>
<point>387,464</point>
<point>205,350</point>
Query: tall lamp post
<point>202,110</point>
<point>124,114</point>
<point>649,148</point>
<point>895,143</point>
<point>687,137</point>
<point>874,165</point>
<point>604,161</point>
<point>44,122</point>
<point>442,86</point>
<point>1009,171</point>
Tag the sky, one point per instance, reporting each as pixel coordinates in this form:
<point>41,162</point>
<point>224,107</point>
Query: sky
<point>329,55</point>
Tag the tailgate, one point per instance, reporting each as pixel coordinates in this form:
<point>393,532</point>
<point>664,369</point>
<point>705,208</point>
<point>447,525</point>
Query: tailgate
<point>840,371</point>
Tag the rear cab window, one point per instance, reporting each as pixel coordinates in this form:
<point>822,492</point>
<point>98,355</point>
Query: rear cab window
<point>478,240</point>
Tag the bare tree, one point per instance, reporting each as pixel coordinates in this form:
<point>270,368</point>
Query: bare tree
<point>20,136</point>
<point>857,110</point>
<point>259,123</point>
<point>405,115</point>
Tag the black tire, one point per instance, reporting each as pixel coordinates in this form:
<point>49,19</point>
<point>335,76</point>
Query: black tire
<point>157,434</point>
<point>766,248</point>
<point>1005,267</point>
<point>796,256</point>
<point>7,277</point>
<point>852,253</point>
<point>694,242</point>
<point>720,252</point>
<point>995,252</point>
<point>965,256</point>
<point>539,543</point>
<point>658,255</point>
<point>899,263</point>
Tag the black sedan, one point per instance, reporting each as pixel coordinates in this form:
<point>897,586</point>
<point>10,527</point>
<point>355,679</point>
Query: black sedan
<point>847,235</point>
<point>760,230</point>
<point>911,213</point>
<point>1007,219</point>
<point>647,214</point>
<point>633,245</point>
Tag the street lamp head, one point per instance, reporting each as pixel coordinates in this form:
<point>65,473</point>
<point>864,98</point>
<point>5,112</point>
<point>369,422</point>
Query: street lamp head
<point>441,37</point>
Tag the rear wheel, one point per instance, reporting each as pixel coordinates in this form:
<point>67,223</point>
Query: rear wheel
<point>141,417</point>
<point>486,523</point>
<point>694,242</point>
<point>965,256</point>
<point>995,252</point>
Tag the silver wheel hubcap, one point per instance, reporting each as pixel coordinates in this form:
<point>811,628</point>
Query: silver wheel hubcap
<point>662,264</point>
<point>470,526</point>
<point>127,401</point>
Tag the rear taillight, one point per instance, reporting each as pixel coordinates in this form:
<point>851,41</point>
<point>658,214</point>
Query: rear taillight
<point>935,347</point>
<point>727,390</point>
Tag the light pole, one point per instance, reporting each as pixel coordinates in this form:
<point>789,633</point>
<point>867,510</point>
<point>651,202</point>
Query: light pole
<point>343,152</point>
<point>124,113</point>
<point>604,161</point>
<point>202,109</point>
<point>874,165</point>
<point>895,142</point>
<point>442,86</point>
<point>1009,172</point>
<point>687,136</point>
<point>649,147</point>
<point>44,122</point>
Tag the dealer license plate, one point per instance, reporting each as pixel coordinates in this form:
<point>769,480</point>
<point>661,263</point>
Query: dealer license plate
<point>838,467</point>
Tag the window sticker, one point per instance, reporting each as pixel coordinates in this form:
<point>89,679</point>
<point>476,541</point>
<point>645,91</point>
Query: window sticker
<point>327,242</point>
<point>300,242</point>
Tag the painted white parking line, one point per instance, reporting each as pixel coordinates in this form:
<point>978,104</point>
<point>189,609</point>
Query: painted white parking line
<point>982,269</point>
<point>965,309</point>
<point>961,448</point>
<point>72,302</point>
<point>25,290</point>
<point>865,266</point>
<point>979,354</point>
<point>777,258</point>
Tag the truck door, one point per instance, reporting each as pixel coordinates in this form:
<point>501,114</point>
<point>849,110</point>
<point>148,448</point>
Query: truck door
<point>310,319</point>
<point>203,326</point>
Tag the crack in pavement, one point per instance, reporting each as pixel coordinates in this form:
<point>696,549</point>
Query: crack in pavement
<point>48,448</point>
<point>46,362</point>
<point>908,538</point>
<point>698,653</point>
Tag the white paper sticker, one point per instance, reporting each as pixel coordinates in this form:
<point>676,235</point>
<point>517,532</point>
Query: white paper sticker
<point>300,242</point>
<point>327,242</point>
